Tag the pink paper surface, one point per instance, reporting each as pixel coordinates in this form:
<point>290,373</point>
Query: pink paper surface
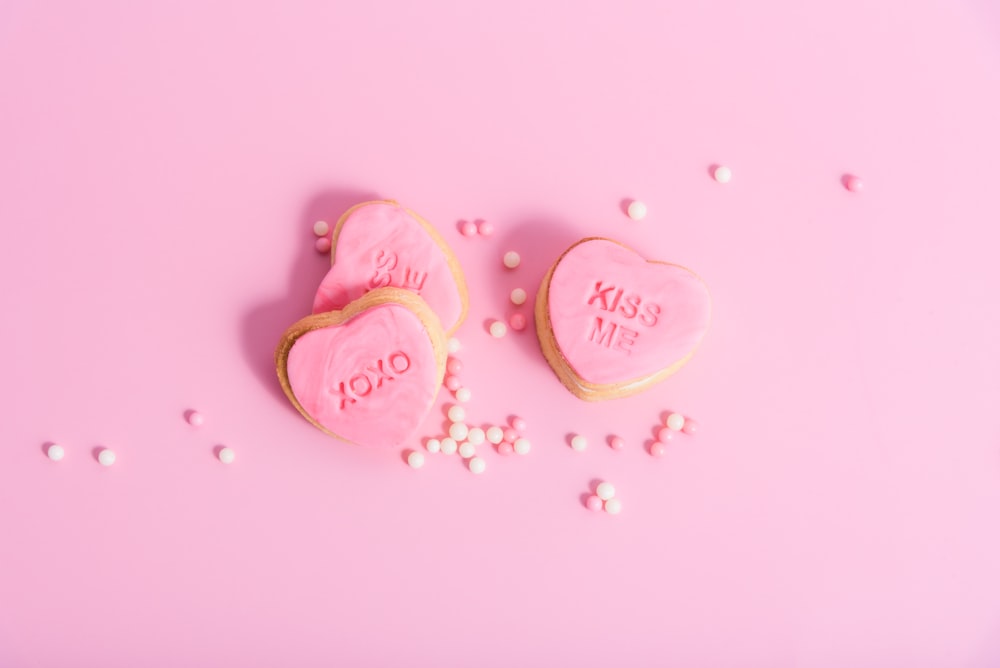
<point>162,164</point>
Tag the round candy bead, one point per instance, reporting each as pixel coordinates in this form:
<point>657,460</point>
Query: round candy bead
<point>616,442</point>
<point>578,443</point>
<point>605,491</point>
<point>594,502</point>
<point>195,419</point>
<point>323,245</point>
<point>477,465</point>
<point>432,445</point>
<point>612,506</point>
<point>476,435</point>
<point>452,383</point>
<point>485,228</point>
<point>448,446</point>
<point>853,183</point>
<point>468,228</point>
<point>454,365</point>
<point>518,296</point>
<point>458,431</point>
<point>637,210</point>
<point>510,434</point>
<point>106,457</point>
<point>690,426</point>
<point>522,446</point>
<point>518,423</point>
<point>415,459</point>
<point>518,321</point>
<point>505,448</point>
<point>55,452</point>
<point>456,414</point>
<point>511,259</point>
<point>321,228</point>
<point>498,329</point>
<point>657,449</point>
<point>665,435</point>
<point>454,345</point>
<point>467,450</point>
<point>494,435</point>
<point>227,456</point>
<point>675,421</point>
<point>463,394</point>
<point>722,174</point>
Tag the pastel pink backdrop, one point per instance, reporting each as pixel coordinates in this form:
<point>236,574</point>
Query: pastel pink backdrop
<point>162,165</point>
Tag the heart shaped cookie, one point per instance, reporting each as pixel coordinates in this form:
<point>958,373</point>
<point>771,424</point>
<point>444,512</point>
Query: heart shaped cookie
<point>367,373</point>
<point>612,323</point>
<point>381,244</point>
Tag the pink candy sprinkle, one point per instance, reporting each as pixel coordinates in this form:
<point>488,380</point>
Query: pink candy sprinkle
<point>518,423</point>
<point>665,435</point>
<point>485,228</point>
<point>452,383</point>
<point>657,449</point>
<point>468,228</point>
<point>616,442</point>
<point>510,434</point>
<point>690,426</point>
<point>517,321</point>
<point>454,366</point>
<point>195,419</point>
<point>594,503</point>
<point>322,245</point>
<point>853,183</point>
<point>505,448</point>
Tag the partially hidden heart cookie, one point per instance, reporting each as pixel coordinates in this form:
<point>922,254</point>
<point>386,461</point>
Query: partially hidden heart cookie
<point>611,323</point>
<point>382,244</point>
<point>368,373</point>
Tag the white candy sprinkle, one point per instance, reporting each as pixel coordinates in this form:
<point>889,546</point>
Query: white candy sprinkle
<point>415,459</point>
<point>448,446</point>
<point>454,345</point>
<point>467,450</point>
<point>456,414</point>
<point>723,174</point>
<point>498,329</point>
<point>613,506</point>
<point>511,259</point>
<point>675,421</point>
<point>605,491</point>
<point>637,210</point>
<point>578,443</point>
<point>321,228</point>
<point>458,431</point>
<point>476,435</point>
<point>463,394</point>
<point>477,465</point>
<point>494,435</point>
<point>518,296</point>
<point>55,452</point>
<point>106,457</point>
<point>433,445</point>
<point>522,446</point>
<point>227,456</point>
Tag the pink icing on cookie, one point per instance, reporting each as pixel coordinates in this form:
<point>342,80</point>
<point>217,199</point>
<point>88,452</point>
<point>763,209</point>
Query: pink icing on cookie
<point>380,244</point>
<point>370,380</point>
<point>617,318</point>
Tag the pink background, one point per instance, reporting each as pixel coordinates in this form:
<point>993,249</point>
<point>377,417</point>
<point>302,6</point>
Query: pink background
<point>160,169</point>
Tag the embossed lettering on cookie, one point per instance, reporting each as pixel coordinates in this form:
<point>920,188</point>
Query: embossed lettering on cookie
<point>368,373</point>
<point>611,323</point>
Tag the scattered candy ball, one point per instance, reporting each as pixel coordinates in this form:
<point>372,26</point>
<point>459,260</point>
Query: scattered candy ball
<point>476,436</point>
<point>612,506</point>
<point>510,434</point>
<point>195,419</point>
<point>505,448</point>
<point>227,456</point>
<point>468,228</point>
<point>456,414</point>
<point>498,329</point>
<point>722,174</point>
<point>467,450</point>
<point>106,457</point>
<point>415,459</point>
<point>594,503</point>
<point>432,445</point>
<point>518,296</point>
<point>605,491</point>
<point>448,446</point>
<point>522,446</point>
<point>578,443</point>
<point>323,245</point>
<point>657,449</point>
<point>690,426</point>
<point>518,321</point>
<point>518,423</point>
<point>452,383</point>
<point>637,210</point>
<point>454,345</point>
<point>511,259</point>
<point>485,228</point>
<point>853,183</point>
<point>494,435</point>
<point>321,228</point>
<point>454,365</point>
<point>55,452</point>
<point>458,431</point>
<point>675,421</point>
<point>665,435</point>
<point>463,394</point>
<point>477,465</point>
<point>616,442</point>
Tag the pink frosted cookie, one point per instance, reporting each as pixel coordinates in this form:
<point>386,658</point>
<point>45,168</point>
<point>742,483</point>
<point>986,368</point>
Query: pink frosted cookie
<point>368,373</point>
<point>381,244</point>
<point>611,323</point>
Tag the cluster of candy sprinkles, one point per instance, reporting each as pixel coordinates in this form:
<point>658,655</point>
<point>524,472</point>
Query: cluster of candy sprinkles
<point>322,229</point>
<point>604,499</point>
